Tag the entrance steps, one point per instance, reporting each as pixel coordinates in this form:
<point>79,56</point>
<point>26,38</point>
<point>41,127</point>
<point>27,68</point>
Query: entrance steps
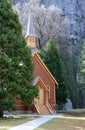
<point>43,110</point>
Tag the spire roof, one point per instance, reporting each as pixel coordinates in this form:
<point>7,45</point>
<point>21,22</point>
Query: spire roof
<point>30,28</point>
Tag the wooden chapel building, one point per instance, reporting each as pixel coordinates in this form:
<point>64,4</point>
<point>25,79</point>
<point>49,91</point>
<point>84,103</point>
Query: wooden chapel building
<point>45,103</point>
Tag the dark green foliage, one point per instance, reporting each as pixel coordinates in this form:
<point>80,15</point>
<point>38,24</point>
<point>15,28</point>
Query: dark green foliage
<point>81,76</point>
<point>15,60</point>
<point>81,73</point>
<point>52,60</point>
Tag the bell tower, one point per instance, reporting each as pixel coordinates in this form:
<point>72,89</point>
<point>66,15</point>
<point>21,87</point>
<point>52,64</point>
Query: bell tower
<point>30,35</point>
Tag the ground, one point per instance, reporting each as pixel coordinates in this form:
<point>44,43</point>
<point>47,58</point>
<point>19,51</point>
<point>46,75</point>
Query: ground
<point>63,124</point>
<point>72,120</point>
<point>6,123</point>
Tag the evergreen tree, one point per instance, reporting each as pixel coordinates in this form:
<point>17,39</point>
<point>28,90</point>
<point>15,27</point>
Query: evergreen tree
<point>52,60</point>
<point>15,61</point>
<point>81,76</point>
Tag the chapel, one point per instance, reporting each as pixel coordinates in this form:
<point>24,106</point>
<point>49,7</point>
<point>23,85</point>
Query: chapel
<point>45,103</point>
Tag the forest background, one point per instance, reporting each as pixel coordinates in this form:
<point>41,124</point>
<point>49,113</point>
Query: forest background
<point>64,21</point>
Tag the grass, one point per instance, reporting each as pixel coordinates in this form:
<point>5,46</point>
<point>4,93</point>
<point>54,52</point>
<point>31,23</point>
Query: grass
<point>74,112</point>
<point>73,120</point>
<point>6,123</point>
<point>63,124</point>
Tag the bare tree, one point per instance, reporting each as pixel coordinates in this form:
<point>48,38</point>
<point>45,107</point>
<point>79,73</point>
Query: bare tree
<point>49,23</point>
<point>23,12</point>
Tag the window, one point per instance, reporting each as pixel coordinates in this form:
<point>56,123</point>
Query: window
<point>48,92</point>
<point>31,39</point>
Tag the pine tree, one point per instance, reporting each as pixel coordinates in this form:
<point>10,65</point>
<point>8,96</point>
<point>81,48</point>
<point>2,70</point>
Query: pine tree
<point>81,76</point>
<point>15,61</point>
<point>52,60</point>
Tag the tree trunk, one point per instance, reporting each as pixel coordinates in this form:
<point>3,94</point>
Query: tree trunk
<point>1,114</point>
<point>40,45</point>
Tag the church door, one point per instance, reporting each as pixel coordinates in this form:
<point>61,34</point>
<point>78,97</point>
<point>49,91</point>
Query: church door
<point>41,97</point>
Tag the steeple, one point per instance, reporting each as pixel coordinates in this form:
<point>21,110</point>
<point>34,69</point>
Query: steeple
<point>30,35</point>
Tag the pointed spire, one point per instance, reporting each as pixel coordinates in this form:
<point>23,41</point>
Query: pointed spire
<point>30,36</point>
<point>30,28</point>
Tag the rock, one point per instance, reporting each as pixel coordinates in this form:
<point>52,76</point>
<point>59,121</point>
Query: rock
<point>68,105</point>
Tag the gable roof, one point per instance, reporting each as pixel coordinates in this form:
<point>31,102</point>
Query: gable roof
<point>35,81</point>
<point>45,68</point>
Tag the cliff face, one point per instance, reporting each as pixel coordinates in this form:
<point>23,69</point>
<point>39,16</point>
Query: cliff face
<point>74,10</point>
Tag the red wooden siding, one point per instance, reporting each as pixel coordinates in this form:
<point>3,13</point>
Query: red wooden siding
<point>40,71</point>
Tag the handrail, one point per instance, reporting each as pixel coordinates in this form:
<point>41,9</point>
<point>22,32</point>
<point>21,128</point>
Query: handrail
<point>37,109</point>
<point>36,105</point>
<point>49,107</point>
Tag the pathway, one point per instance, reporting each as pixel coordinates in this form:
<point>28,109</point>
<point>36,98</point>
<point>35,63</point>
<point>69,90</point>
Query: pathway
<point>35,123</point>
